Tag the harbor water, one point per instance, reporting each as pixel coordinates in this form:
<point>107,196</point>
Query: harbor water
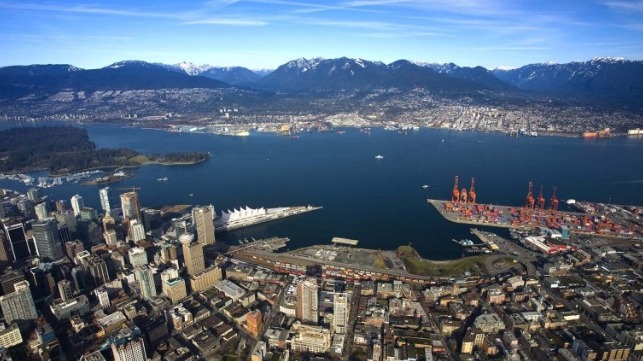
<point>380,202</point>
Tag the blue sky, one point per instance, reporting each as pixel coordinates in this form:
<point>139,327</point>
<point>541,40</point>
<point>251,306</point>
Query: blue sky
<point>267,33</point>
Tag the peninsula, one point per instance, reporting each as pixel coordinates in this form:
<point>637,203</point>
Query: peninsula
<point>64,150</point>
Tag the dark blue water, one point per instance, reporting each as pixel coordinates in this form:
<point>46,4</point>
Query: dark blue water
<point>379,202</point>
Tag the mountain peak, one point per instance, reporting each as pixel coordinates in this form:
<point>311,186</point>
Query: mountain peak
<point>130,63</point>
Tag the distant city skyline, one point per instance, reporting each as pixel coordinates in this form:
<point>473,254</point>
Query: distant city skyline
<point>263,34</point>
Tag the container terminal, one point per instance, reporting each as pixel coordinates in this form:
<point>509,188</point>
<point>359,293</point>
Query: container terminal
<point>591,219</point>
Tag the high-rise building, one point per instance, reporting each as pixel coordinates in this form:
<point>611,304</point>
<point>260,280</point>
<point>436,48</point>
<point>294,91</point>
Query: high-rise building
<point>192,254</point>
<point>254,323</point>
<point>64,233</point>
<point>42,210</point>
<point>77,204</point>
<point>145,279</point>
<point>42,279</point>
<point>17,239</point>
<point>6,257</point>
<point>175,289</point>
<point>18,305</point>
<point>68,218</point>
<point>110,237</point>
<point>102,296</point>
<point>130,206</point>
<point>65,290</point>
<point>137,256</point>
<point>27,208</point>
<point>9,280</point>
<point>98,270</point>
<point>136,231</point>
<point>207,279</point>
<point>47,239</point>
<point>60,206</point>
<point>103,193</point>
<point>131,350</point>
<point>152,219</point>
<point>307,306</point>
<point>33,194</point>
<point>72,248</point>
<point>78,276</point>
<point>203,218</point>
<point>341,312</point>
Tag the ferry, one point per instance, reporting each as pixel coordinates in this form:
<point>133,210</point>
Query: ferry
<point>379,156</point>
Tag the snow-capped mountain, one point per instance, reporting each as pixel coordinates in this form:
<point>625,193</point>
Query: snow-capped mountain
<point>232,75</point>
<point>477,74</point>
<point>613,77</point>
<point>358,74</point>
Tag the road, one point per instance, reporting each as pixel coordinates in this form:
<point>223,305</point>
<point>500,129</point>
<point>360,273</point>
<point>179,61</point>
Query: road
<point>350,327</point>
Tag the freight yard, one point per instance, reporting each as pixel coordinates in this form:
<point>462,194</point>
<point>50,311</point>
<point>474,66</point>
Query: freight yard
<point>594,219</point>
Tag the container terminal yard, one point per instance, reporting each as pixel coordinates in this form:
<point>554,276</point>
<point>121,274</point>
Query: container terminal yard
<point>593,219</point>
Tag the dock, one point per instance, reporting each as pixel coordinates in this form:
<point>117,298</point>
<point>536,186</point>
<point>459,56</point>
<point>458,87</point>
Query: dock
<point>491,215</point>
<point>485,238</point>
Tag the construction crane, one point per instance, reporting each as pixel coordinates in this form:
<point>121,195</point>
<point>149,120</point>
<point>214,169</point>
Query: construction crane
<point>553,202</point>
<point>472,192</point>
<point>530,197</point>
<point>456,192</point>
<point>540,204</point>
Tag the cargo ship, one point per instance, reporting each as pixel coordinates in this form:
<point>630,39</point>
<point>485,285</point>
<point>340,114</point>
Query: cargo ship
<point>246,217</point>
<point>598,134</point>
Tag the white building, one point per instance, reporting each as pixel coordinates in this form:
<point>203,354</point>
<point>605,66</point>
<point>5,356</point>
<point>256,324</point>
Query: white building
<point>104,199</point>
<point>137,256</point>
<point>341,312</point>
<point>136,231</point>
<point>133,350</point>
<point>77,204</point>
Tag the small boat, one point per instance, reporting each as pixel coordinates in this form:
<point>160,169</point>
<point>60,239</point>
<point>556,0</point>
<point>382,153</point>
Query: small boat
<point>379,156</point>
<point>162,179</point>
<point>426,186</point>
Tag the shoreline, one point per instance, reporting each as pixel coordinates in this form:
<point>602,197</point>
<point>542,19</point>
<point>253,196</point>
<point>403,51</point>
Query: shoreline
<point>50,175</point>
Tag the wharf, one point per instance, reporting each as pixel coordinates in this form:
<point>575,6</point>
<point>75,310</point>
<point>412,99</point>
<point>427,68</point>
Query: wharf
<point>491,215</point>
<point>485,238</point>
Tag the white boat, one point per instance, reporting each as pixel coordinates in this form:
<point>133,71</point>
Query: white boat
<point>379,156</point>
<point>425,186</point>
<point>162,179</point>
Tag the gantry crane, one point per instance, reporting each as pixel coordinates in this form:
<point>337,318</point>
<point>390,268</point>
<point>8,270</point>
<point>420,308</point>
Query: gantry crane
<point>540,203</point>
<point>472,192</point>
<point>456,193</point>
<point>529,204</point>
<point>553,202</point>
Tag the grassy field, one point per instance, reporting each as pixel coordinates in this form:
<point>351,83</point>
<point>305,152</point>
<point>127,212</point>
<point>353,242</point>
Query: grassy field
<point>140,159</point>
<point>419,266</point>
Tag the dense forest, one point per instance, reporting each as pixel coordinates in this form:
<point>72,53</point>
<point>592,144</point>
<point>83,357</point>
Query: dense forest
<point>63,150</point>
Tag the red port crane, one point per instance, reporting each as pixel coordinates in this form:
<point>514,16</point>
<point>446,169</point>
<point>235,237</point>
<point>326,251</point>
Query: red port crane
<point>456,192</point>
<point>463,196</point>
<point>530,197</point>
<point>553,202</point>
<point>541,199</point>
<point>472,192</point>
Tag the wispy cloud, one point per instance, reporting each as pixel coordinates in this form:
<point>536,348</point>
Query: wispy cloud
<point>635,5</point>
<point>227,21</point>
<point>195,16</point>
